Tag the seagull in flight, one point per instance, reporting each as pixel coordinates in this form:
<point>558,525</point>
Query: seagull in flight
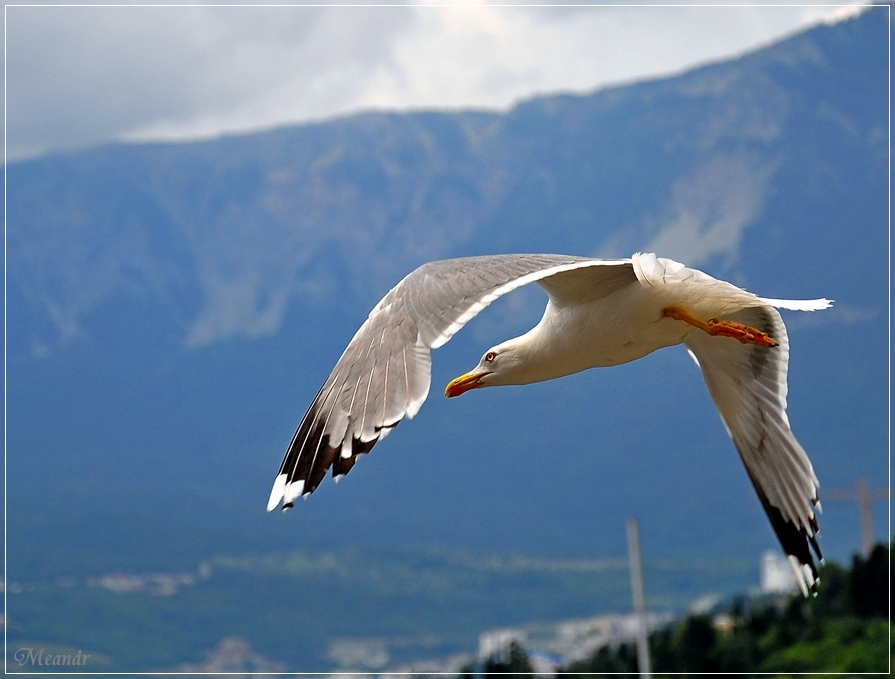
<point>600,312</point>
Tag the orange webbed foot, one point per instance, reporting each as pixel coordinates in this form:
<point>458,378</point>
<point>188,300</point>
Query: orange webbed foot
<point>718,328</point>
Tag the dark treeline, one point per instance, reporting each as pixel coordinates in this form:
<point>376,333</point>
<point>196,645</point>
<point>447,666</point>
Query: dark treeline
<point>844,629</point>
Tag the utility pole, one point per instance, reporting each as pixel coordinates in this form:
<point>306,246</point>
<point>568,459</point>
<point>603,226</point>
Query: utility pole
<point>635,565</point>
<point>864,497</point>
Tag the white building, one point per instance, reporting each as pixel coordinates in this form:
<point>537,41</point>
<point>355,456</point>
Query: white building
<point>776,574</point>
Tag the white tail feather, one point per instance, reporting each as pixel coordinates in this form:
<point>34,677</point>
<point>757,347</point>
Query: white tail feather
<point>799,304</point>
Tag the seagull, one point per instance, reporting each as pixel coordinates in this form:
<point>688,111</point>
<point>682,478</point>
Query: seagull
<point>600,312</point>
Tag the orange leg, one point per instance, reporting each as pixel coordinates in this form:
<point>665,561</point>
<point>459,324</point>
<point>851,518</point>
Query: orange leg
<point>715,327</point>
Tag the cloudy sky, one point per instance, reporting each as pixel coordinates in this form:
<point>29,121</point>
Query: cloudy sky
<point>78,76</point>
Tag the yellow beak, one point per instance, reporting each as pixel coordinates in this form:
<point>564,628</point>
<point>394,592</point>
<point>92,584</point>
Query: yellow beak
<point>463,384</point>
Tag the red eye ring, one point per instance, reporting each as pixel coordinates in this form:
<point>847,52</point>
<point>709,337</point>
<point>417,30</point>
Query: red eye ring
<point>490,356</point>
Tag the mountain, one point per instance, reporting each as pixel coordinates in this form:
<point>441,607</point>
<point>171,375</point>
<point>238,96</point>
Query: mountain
<point>173,308</point>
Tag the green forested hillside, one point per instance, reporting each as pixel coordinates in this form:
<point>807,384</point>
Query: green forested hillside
<point>845,629</point>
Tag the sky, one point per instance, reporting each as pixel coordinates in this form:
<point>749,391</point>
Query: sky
<point>79,76</point>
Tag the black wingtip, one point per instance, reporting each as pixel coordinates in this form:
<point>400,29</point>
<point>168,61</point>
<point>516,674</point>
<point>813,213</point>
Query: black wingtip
<point>795,542</point>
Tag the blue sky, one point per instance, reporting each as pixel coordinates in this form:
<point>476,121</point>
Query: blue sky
<point>78,76</point>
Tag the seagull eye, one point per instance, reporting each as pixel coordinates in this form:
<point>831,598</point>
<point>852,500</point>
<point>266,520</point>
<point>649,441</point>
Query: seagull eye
<point>490,356</point>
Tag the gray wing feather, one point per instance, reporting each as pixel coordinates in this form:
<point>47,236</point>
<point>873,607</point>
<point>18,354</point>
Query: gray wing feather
<point>580,286</point>
<point>384,373</point>
<point>748,385</point>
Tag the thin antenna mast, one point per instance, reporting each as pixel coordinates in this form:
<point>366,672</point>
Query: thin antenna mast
<point>635,564</point>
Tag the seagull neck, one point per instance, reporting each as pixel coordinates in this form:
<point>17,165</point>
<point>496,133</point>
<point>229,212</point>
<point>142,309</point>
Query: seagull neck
<point>533,358</point>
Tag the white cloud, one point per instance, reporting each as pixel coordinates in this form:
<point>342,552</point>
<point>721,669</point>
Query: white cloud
<point>85,74</point>
<point>82,75</point>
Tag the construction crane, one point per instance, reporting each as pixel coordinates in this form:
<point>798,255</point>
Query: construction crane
<point>862,494</point>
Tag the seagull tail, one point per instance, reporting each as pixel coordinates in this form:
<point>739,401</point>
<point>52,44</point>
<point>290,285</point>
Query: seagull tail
<point>799,304</point>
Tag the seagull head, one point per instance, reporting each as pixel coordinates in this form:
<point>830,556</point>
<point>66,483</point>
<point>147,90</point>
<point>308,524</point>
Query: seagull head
<point>474,378</point>
<point>499,365</point>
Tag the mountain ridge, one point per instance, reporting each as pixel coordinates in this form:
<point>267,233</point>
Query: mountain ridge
<point>173,307</point>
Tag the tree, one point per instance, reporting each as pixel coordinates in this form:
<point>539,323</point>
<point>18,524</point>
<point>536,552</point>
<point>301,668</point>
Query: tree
<point>844,629</point>
<point>514,662</point>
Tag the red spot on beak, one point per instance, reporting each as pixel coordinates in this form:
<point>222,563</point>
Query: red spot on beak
<point>463,384</point>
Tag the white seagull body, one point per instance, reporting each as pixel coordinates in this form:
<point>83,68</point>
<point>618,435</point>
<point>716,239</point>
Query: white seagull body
<point>599,313</point>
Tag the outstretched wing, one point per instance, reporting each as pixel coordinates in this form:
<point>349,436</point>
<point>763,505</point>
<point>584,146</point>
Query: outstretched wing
<point>384,373</point>
<point>748,385</point>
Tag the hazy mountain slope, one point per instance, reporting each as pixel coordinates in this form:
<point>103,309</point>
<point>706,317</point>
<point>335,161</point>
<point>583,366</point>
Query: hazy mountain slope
<point>173,308</point>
